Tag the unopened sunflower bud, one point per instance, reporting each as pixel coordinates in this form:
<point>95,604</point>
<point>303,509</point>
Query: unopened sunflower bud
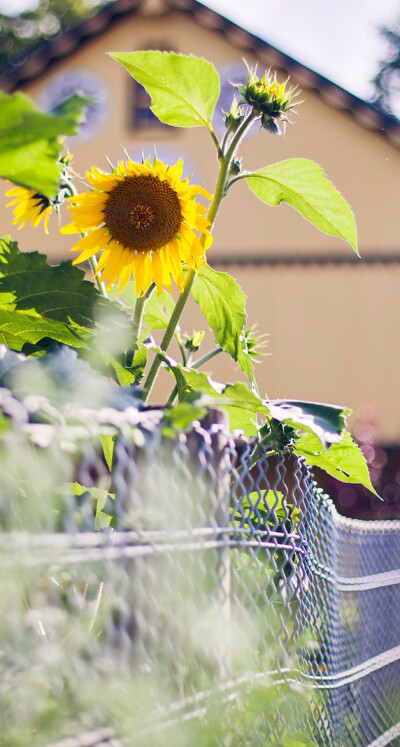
<point>270,99</point>
<point>235,116</point>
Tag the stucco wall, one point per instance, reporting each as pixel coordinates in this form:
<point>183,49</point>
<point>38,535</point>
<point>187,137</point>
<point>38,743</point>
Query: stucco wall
<point>332,330</point>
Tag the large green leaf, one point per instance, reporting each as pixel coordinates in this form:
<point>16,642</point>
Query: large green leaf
<point>39,301</point>
<point>222,303</point>
<point>304,186</point>
<point>29,140</point>
<point>158,310</point>
<point>343,460</point>
<point>183,89</point>
<point>241,404</point>
<point>326,422</point>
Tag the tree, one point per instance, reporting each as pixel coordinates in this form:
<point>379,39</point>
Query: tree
<point>20,33</point>
<point>387,79</point>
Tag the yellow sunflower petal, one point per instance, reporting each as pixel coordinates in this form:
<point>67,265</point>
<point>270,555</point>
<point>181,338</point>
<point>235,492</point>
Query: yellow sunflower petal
<point>142,275</point>
<point>173,262</point>
<point>111,259</point>
<point>90,244</point>
<point>69,228</point>
<point>91,200</point>
<point>126,273</point>
<point>201,224</point>
<point>104,257</point>
<point>101,180</point>
<point>175,172</point>
<point>157,269</point>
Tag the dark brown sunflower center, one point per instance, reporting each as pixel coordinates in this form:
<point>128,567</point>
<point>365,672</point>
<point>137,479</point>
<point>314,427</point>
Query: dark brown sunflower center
<point>141,216</point>
<point>143,213</point>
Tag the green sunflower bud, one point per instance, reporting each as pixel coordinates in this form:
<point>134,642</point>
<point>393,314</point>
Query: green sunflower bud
<point>193,343</point>
<point>235,116</point>
<point>267,97</point>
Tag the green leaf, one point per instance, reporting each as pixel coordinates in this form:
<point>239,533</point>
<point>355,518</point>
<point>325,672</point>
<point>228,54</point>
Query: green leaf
<point>139,359</point>
<point>296,740</point>
<point>265,502</point>
<point>183,89</point>
<point>304,186</point>
<point>326,422</point>
<point>29,140</point>
<point>124,377</point>
<point>107,443</point>
<point>343,460</point>
<point>101,497</point>
<point>158,310</point>
<point>240,403</point>
<point>222,303</point>
<point>179,419</point>
<point>39,301</point>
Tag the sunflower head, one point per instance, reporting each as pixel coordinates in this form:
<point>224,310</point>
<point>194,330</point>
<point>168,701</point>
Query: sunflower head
<point>268,97</point>
<point>29,206</point>
<point>143,219</point>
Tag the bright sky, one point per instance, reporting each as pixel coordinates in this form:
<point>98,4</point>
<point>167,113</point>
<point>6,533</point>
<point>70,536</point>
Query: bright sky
<point>337,38</point>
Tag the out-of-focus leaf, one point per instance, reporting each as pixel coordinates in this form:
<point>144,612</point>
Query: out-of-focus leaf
<point>107,443</point>
<point>29,140</point>
<point>39,301</point>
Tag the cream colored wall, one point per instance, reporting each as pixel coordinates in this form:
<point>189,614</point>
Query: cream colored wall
<point>333,330</point>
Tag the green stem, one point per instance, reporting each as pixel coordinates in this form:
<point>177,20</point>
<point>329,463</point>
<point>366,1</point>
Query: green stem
<point>182,349</point>
<point>172,395</point>
<point>101,286</point>
<point>169,332</point>
<point>136,322</point>
<point>207,357</point>
<point>220,192</point>
<point>215,141</point>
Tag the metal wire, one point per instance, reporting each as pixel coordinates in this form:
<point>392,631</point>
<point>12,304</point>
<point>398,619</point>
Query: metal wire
<point>209,576</point>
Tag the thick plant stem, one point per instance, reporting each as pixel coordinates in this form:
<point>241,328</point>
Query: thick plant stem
<point>136,322</point>
<point>101,286</point>
<point>220,192</point>
<point>169,332</point>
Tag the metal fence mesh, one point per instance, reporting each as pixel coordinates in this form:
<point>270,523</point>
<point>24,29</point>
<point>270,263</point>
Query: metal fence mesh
<point>225,603</point>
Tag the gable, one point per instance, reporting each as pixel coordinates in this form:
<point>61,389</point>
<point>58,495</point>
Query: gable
<point>354,158</point>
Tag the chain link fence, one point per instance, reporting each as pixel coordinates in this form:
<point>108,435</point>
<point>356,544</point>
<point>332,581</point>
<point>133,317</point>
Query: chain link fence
<point>201,592</point>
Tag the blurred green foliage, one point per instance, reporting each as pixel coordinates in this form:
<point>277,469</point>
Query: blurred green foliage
<point>21,32</point>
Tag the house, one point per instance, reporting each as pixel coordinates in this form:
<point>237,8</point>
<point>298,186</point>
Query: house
<point>332,318</point>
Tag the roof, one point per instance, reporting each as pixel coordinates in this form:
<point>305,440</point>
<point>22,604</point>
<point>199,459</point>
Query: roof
<point>66,43</point>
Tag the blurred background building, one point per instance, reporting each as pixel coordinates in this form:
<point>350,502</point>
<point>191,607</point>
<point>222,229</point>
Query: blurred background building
<point>332,318</point>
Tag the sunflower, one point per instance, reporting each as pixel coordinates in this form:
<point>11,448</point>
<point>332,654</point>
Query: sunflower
<point>143,218</point>
<point>30,205</point>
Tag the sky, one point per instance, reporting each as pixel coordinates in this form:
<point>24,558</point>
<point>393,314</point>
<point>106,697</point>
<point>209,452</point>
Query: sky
<point>337,38</point>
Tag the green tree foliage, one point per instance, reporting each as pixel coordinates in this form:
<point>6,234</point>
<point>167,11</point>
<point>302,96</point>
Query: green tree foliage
<point>20,33</point>
<point>387,77</point>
